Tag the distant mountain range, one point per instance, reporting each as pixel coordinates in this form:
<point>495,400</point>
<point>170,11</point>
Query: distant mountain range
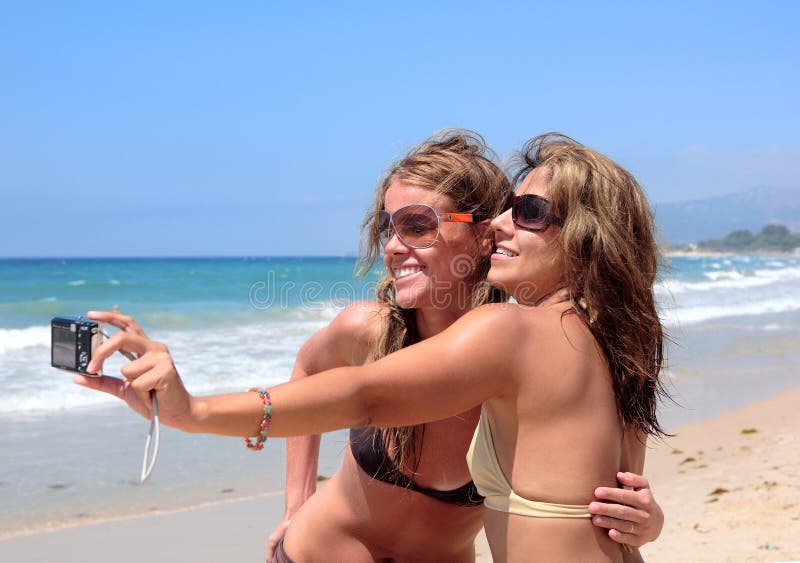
<point>689,222</point>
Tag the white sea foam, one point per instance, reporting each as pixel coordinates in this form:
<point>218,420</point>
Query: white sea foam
<point>75,283</point>
<point>12,340</point>
<point>692,314</point>
<point>732,280</point>
<point>726,275</point>
<point>740,287</point>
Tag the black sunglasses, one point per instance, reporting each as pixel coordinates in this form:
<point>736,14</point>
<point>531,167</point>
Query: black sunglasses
<point>532,213</point>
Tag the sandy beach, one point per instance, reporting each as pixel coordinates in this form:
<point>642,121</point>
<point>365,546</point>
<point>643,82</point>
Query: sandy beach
<point>730,488</point>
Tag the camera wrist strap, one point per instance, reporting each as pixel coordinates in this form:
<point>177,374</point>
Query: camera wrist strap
<point>152,439</point>
<point>155,427</point>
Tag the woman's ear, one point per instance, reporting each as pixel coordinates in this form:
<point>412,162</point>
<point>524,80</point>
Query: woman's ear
<point>485,237</point>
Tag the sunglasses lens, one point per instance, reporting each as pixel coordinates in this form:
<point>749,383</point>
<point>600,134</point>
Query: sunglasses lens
<point>417,225</point>
<point>530,212</point>
<point>384,224</point>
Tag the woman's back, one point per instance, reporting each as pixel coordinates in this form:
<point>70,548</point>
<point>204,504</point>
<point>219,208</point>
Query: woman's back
<point>555,437</point>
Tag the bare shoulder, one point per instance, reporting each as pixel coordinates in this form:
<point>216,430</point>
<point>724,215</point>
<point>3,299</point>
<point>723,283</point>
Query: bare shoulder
<point>508,318</point>
<point>497,325</point>
<point>552,331</point>
<point>361,320</point>
<point>356,328</point>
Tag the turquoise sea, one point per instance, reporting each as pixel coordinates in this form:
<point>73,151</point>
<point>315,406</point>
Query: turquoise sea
<point>71,455</point>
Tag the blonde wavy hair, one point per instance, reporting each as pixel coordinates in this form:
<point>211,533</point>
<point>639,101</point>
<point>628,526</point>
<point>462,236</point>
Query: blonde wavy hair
<point>611,261</point>
<point>456,163</point>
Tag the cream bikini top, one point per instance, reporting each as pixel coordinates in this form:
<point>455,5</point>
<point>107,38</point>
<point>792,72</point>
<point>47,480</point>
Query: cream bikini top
<point>492,483</point>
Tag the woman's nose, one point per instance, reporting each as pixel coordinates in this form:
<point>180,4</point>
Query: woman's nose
<point>503,223</point>
<point>394,245</point>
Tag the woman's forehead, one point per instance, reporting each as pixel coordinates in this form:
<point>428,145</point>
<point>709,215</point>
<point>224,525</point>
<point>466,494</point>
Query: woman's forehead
<point>402,193</point>
<point>536,182</point>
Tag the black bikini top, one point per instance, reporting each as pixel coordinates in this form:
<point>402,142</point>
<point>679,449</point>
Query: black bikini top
<point>372,458</point>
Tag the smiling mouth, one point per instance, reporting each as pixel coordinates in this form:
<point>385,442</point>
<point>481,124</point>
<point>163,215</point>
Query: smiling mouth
<point>405,272</point>
<point>505,252</point>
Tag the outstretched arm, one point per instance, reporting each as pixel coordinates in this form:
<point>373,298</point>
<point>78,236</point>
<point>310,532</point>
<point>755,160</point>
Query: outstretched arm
<point>441,376</point>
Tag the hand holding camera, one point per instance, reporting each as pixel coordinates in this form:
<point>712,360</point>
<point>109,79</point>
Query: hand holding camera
<point>153,370</point>
<point>151,382</point>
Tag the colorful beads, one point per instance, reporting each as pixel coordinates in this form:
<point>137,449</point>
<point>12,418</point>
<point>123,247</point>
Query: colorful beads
<point>265,422</point>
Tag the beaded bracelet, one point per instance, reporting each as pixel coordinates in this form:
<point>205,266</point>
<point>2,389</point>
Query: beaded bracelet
<point>265,422</point>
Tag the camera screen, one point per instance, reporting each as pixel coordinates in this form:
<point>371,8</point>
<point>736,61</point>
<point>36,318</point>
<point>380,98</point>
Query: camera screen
<point>64,346</point>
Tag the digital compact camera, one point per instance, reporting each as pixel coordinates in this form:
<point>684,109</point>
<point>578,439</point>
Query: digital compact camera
<point>73,341</point>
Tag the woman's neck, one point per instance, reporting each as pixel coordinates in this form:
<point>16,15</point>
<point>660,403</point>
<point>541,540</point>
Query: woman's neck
<point>431,321</point>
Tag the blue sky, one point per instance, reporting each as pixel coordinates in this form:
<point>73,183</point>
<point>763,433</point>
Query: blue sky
<point>261,128</point>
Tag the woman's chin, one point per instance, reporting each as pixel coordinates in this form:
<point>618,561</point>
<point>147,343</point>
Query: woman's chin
<point>408,298</point>
<point>496,278</point>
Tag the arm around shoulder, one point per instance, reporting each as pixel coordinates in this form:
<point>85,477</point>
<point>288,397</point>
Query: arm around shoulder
<point>439,377</point>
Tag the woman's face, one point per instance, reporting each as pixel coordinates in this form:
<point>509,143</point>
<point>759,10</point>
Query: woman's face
<point>440,276</point>
<point>526,264</point>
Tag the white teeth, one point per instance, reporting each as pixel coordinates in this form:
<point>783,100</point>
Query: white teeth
<point>403,272</point>
<point>505,252</point>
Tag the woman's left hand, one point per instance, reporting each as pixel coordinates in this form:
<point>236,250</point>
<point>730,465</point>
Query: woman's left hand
<point>632,517</point>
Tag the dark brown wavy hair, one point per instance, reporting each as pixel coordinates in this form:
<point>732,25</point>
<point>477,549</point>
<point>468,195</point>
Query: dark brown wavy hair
<point>456,163</point>
<point>611,262</point>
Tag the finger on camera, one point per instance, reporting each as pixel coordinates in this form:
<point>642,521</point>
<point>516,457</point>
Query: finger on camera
<point>102,352</point>
<point>123,322</point>
<point>129,342</point>
<point>633,480</point>
<point>107,317</point>
<point>140,366</point>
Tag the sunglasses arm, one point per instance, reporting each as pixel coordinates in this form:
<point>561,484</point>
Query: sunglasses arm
<point>457,217</point>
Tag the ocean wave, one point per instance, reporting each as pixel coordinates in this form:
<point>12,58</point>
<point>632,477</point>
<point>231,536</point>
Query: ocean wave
<point>75,283</point>
<point>730,280</point>
<point>726,275</point>
<point>12,340</point>
<point>701,312</point>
